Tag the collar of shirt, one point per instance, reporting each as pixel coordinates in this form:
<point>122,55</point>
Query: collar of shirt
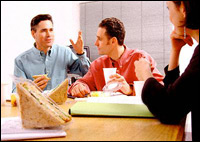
<point>122,58</point>
<point>41,53</point>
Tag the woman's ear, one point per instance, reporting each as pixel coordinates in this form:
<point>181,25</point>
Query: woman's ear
<point>183,9</point>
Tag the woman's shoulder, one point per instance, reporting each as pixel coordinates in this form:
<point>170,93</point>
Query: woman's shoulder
<point>196,51</point>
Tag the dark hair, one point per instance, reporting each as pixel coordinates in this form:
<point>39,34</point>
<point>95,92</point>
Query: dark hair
<point>192,13</point>
<point>114,28</point>
<point>41,17</point>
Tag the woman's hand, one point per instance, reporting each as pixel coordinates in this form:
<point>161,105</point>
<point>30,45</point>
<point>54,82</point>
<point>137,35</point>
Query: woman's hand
<point>178,40</point>
<point>143,69</point>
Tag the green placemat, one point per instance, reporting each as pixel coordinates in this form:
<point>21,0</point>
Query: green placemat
<point>109,109</point>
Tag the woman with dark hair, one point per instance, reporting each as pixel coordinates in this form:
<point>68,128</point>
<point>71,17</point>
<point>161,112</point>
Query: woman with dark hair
<point>179,95</point>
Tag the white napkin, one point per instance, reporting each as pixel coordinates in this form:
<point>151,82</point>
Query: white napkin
<point>11,129</point>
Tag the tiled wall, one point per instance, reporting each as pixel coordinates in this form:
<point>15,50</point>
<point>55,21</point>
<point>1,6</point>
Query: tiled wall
<point>146,23</point>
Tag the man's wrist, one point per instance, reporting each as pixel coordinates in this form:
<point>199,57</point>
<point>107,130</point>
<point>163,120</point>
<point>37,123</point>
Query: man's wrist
<point>79,54</point>
<point>129,90</point>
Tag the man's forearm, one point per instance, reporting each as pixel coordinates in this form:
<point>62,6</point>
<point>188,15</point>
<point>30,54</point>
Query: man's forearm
<point>85,63</point>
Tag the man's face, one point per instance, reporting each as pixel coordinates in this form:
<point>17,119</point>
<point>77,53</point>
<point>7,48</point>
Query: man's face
<point>44,34</point>
<point>103,44</point>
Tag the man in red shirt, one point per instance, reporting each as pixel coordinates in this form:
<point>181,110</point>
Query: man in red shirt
<point>110,43</point>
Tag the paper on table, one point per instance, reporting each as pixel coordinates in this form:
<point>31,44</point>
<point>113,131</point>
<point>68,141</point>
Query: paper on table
<point>118,98</point>
<point>11,129</point>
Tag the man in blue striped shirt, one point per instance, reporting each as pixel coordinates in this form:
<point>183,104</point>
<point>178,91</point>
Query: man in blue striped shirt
<point>48,58</point>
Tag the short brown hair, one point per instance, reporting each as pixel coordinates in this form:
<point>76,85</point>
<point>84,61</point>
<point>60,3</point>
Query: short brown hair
<point>37,19</point>
<point>114,28</point>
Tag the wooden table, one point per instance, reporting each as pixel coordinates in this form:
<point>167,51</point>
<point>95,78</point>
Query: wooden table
<point>111,128</point>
